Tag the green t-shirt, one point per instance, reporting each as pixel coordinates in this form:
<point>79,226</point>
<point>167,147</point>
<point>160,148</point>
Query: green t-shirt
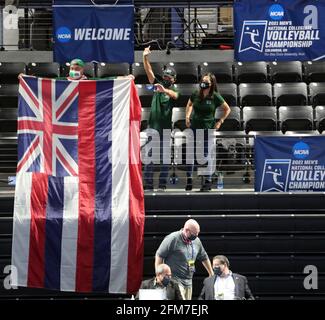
<point>203,116</point>
<point>161,110</point>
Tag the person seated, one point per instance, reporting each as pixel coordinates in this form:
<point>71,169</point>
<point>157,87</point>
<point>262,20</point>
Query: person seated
<point>225,285</point>
<point>163,280</point>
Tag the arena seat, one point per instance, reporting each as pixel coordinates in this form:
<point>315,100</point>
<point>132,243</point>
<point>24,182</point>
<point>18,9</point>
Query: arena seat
<point>248,72</point>
<point>9,72</point>
<point>89,70</point>
<point>290,94</point>
<point>178,118</point>
<point>185,92</point>
<point>140,74</point>
<point>255,94</point>
<point>317,93</point>
<point>285,71</point>
<point>229,92</point>
<point>259,119</point>
<point>44,69</point>
<point>8,96</point>
<point>145,113</point>
<point>296,118</point>
<point>105,70</point>
<point>223,71</point>
<point>187,72</point>
<point>145,94</point>
<point>314,71</point>
<point>233,121</point>
<point>320,118</point>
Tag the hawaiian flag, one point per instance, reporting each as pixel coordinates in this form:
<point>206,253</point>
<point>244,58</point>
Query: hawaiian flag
<point>79,205</point>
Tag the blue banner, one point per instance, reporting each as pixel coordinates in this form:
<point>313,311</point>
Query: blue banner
<point>279,31</point>
<point>285,164</point>
<point>93,32</point>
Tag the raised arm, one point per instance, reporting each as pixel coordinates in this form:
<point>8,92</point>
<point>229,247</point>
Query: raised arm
<point>147,65</point>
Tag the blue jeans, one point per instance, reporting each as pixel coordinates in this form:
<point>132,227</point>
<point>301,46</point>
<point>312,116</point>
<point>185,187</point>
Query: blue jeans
<point>149,170</point>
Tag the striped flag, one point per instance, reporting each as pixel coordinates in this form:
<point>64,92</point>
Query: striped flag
<point>79,205</point>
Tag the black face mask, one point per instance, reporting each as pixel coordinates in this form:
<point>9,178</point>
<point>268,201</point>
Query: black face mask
<point>166,83</point>
<point>217,271</point>
<point>192,237</point>
<point>204,85</point>
<point>165,281</point>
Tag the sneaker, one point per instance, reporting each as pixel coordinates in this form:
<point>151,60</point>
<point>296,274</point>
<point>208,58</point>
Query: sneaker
<point>189,184</point>
<point>162,188</point>
<point>206,187</point>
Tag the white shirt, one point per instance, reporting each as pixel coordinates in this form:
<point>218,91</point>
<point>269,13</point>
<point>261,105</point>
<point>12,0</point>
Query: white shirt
<point>224,287</point>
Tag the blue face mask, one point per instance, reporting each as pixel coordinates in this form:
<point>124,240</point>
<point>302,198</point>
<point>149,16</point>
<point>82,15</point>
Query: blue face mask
<point>165,281</point>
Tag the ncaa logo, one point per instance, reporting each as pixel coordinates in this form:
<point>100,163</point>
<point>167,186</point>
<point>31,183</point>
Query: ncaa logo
<point>300,150</point>
<point>276,12</point>
<point>63,34</point>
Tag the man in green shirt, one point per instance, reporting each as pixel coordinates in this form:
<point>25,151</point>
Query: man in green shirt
<point>163,101</point>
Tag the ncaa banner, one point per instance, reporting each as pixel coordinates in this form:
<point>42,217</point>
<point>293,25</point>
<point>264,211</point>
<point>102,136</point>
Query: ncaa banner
<point>279,31</point>
<point>93,32</point>
<point>284,164</point>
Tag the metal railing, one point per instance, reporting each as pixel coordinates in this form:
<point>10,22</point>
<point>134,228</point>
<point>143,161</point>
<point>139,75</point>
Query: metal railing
<point>165,27</point>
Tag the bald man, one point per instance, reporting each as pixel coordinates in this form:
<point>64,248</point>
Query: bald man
<point>180,250</point>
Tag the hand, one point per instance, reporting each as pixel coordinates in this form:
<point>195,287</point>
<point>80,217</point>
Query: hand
<point>20,76</point>
<point>130,76</point>
<point>218,125</point>
<point>188,123</point>
<point>146,51</point>
<point>159,87</point>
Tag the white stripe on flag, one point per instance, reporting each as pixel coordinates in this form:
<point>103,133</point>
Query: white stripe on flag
<point>69,234</point>
<point>120,186</point>
<point>21,228</point>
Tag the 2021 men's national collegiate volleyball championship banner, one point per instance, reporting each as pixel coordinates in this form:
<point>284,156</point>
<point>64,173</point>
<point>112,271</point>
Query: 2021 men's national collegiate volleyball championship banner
<point>93,32</point>
<point>284,30</point>
<point>285,164</point>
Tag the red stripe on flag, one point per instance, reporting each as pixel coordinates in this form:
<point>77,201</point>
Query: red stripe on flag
<point>27,155</point>
<point>87,163</point>
<point>48,128</point>
<point>136,209</point>
<point>66,102</point>
<point>65,162</point>
<point>36,265</point>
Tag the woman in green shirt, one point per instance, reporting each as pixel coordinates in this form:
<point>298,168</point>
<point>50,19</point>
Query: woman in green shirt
<point>200,114</point>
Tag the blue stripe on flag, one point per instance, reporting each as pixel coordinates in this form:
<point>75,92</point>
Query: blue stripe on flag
<point>103,196</point>
<point>53,232</point>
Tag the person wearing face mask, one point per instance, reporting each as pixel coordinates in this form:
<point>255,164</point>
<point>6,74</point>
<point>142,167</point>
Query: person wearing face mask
<point>180,250</point>
<point>77,70</point>
<point>225,285</point>
<point>163,280</point>
<point>160,118</point>
<point>200,114</point>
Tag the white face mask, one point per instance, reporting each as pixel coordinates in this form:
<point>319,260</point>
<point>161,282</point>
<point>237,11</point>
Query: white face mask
<point>75,74</point>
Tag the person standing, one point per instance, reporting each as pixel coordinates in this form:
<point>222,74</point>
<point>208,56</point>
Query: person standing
<point>163,101</point>
<point>200,114</point>
<point>225,285</point>
<point>180,250</point>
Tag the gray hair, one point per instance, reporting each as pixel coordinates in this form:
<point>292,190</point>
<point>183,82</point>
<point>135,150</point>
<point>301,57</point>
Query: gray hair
<point>161,268</point>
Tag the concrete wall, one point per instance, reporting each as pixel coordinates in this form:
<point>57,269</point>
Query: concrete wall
<point>156,56</point>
